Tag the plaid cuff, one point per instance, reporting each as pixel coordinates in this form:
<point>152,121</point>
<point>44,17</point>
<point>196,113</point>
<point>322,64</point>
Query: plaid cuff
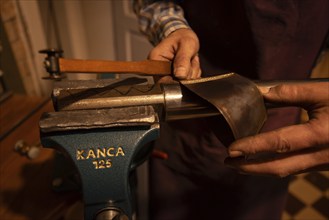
<point>159,19</point>
<point>169,24</point>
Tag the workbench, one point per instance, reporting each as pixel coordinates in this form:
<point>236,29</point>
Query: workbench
<point>26,191</point>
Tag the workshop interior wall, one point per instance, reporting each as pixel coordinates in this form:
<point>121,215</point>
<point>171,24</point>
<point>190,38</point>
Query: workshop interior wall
<point>84,30</point>
<point>10,74</point>
<point>20,19</point>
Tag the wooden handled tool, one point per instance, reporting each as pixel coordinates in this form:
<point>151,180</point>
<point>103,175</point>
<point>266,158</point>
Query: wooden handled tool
<point>146,67</point>
<point>55,65</point>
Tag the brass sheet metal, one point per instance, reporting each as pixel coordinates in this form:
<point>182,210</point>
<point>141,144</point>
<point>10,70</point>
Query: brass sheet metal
<point>236,97</point>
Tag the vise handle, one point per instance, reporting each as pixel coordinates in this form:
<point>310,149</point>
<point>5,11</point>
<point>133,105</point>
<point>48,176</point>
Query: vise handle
<point>56,65</point>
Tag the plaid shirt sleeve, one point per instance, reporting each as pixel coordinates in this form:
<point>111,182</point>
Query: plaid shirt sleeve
<point>157,19</point>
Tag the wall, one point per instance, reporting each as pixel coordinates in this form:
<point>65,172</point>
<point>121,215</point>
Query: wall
<point>85,31</point>
<point>24,36</point>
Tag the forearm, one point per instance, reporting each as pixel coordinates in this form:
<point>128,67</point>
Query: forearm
<point>157,19</point>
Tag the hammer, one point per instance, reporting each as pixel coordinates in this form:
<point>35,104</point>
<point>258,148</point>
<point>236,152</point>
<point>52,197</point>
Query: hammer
<point>56,65</point>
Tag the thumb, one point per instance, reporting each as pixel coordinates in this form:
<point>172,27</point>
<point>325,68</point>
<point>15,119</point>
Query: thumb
<point>299,94</point>
<point>182,62</point>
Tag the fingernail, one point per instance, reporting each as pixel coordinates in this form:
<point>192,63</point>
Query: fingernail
<point>180,72</point>
<point>235,153</point>
<point>264,89</point>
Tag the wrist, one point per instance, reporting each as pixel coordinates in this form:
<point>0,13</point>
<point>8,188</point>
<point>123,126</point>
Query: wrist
<point>171,26</point>
<point>168,25</point>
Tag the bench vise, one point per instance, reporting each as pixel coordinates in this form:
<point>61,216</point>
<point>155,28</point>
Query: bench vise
<point>104,125</point>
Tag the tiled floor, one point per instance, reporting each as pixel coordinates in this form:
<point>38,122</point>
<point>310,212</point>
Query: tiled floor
<point>308,197</point>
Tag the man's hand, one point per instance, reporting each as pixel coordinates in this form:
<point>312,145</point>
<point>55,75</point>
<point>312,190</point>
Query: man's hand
<point>297,148</point>
<point>180,47</point>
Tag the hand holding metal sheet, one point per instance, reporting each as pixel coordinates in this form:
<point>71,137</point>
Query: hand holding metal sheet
<point>297,148</point>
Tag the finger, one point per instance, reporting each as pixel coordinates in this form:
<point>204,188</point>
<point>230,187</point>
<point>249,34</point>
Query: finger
<point>162,52</point>
<point>195,66</point>
<point>182,60</point>
<point>182,67</point>
<point>282,140</point>
<point>301,94</point>
<point>283,165</point>
<point>166,80</point>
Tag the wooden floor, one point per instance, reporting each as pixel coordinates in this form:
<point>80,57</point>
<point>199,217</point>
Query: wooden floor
<point>26,185</point>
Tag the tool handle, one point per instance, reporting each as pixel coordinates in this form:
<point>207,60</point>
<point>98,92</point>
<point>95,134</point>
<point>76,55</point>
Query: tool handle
<point>146,67</point>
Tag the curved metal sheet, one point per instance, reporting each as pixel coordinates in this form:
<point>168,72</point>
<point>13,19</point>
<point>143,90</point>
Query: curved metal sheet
<point>236,97</point>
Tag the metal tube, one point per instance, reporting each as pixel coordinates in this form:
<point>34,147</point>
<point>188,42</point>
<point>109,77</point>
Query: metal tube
<point>180,103</point>
<point>177,101</point>
<point>113,102</point>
